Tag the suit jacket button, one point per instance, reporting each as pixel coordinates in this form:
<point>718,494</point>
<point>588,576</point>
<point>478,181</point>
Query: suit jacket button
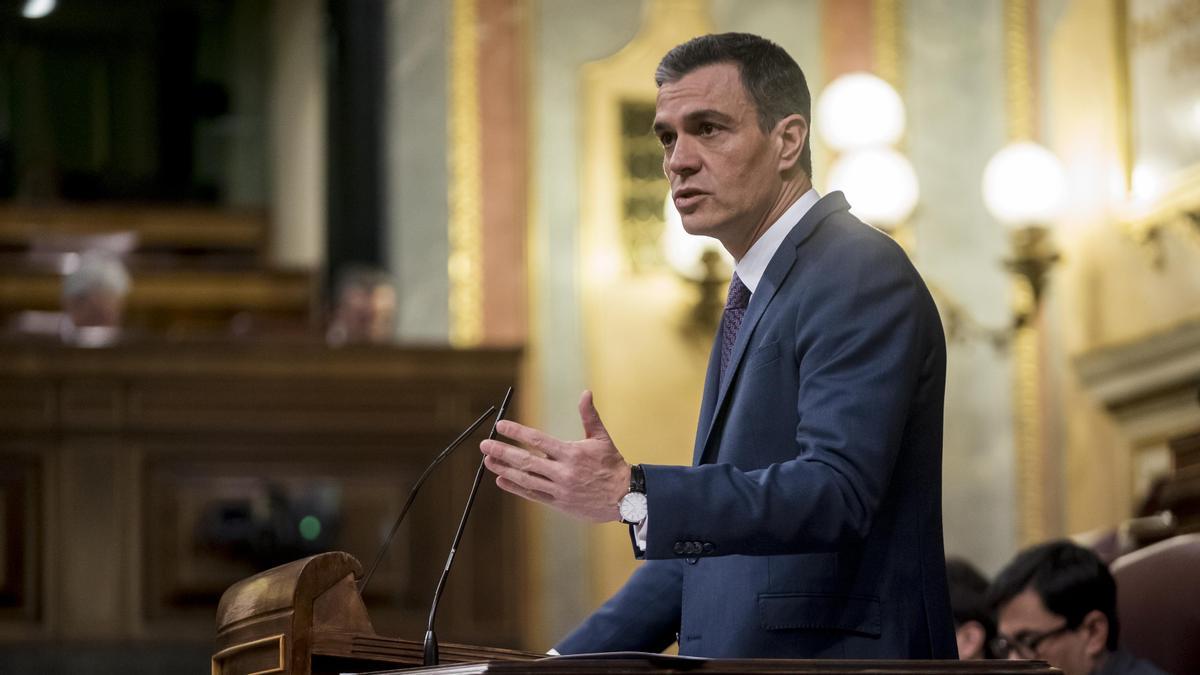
<point>693,547</point>
<point>679,548</point>
<point>708,547</point>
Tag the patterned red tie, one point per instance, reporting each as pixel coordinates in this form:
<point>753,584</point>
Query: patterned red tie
<point>731,319</point>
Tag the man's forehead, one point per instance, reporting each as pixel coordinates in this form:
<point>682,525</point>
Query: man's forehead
<point>716,87</point>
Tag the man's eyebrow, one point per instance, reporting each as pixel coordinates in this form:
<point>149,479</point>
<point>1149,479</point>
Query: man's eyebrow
<point>708,115</point>
<point>703,115</point>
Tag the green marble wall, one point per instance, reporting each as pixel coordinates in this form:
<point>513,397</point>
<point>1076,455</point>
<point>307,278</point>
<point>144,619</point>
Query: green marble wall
<point>954,93</point>
<point>416,176</point>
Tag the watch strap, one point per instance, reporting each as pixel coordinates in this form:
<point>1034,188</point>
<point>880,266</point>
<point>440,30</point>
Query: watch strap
<point>637,479</point>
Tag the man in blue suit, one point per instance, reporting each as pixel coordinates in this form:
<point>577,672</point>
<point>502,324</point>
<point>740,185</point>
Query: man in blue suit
<point>809,525</point>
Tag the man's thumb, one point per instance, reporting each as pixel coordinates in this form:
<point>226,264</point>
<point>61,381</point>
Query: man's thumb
<point>593,427</point>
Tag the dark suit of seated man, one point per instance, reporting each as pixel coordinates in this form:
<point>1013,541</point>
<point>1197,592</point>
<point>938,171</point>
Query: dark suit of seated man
<point>810,523</point>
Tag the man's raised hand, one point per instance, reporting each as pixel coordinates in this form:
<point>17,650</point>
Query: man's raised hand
<point>584,478</point>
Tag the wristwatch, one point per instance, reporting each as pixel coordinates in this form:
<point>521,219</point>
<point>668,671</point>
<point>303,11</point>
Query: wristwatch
<point>633,505</point>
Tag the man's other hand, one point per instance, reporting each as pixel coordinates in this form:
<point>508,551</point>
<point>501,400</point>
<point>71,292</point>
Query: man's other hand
<point>584,478</point>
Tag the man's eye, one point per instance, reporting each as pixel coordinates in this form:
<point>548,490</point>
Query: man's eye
<point>708,129</point>
<point>666,139</point>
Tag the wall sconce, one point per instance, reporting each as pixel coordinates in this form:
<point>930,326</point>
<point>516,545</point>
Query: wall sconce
<point>1153,205</point>
<point>701,262</point>
<point>861,116</point>
<point>1023,188</point>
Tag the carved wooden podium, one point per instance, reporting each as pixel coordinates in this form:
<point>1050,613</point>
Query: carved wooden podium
<point>307,618</point>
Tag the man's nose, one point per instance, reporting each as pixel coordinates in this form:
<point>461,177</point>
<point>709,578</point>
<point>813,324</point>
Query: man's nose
<point>683,158</point>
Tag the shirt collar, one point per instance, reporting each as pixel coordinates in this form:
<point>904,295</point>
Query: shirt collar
<point>752,265</point>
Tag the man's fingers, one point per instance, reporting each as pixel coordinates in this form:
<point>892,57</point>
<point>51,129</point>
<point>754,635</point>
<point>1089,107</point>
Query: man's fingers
<point>509,486</point>
<point>593,427</point>
<point>527,481</point>
<point>535,440</point>
<point>519,458</point>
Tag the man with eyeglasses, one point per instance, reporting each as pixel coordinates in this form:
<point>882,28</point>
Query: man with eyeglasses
<point>1057,602</point>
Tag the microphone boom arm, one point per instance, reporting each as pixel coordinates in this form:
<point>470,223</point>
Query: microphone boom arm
<point>412,494</point>
<point>431,645</point>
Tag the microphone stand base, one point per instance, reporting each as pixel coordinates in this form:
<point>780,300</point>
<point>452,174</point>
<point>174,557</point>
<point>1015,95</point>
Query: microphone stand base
<point>431,648</point>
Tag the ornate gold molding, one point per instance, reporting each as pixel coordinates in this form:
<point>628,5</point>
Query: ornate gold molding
<point>1120,36</point>
<point>887,47</point>
<point>1018,75</point>
<point>1032,460</point>
<point>886,37</point>
<point>465,260</point>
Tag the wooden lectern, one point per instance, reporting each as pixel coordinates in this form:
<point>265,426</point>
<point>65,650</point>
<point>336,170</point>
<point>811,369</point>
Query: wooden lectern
<point>307,618</point>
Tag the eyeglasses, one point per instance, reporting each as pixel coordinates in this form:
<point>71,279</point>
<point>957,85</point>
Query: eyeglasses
<point>1025,644</point>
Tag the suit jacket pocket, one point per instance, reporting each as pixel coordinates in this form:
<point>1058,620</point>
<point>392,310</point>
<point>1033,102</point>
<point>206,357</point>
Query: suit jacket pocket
<point>764,355</point>
<point>852,613</point>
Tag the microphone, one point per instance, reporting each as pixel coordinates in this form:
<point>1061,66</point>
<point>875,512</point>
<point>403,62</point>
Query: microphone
<point>412,494</point>
<point>430,647</point>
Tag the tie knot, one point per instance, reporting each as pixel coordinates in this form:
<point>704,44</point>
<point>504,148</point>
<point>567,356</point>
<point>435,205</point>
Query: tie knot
<point>739,295</point>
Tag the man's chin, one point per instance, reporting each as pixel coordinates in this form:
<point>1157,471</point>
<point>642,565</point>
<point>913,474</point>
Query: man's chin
<point>697,227</point>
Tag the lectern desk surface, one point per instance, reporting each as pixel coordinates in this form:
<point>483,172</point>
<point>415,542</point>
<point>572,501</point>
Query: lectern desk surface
<point>642,664</point>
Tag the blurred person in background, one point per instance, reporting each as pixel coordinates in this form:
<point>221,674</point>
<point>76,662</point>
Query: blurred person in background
<point>974,626</point>
<point>93,299</point>
<point>364,309</point>
<point>1058,602</point>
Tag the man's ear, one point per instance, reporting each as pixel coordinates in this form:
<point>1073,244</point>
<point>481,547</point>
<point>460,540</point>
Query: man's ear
<point>970,640</point>
<point>793,134</point>
<point>1095,627</point>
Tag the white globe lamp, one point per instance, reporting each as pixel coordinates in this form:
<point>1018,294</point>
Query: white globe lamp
<point>1023,185</point>
<point>879,183</point>
<point>859,110</point>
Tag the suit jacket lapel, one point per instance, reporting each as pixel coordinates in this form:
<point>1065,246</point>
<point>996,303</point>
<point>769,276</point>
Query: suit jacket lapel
<point>708,405</point>
<point>767,286</point>
<point>777,270</point>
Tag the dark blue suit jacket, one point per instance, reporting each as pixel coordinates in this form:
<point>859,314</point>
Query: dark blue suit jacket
<point>810,525</point>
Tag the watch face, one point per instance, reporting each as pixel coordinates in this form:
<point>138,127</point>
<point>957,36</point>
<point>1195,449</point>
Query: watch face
<point>633,507</point>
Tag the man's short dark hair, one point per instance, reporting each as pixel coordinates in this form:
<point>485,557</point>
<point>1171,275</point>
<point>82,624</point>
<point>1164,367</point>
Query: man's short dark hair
<point>1070,580</point>
<point>357,276</point>
<point>770,76</point>
<point>969,599</point>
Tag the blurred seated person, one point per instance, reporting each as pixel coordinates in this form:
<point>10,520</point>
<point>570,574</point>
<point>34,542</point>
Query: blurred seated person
<point>93,299</point>
<point>94,293</point>
<point>974,627</point>
<point>365,308</point>
<point>92,302</point>
<point>1057,602</point>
